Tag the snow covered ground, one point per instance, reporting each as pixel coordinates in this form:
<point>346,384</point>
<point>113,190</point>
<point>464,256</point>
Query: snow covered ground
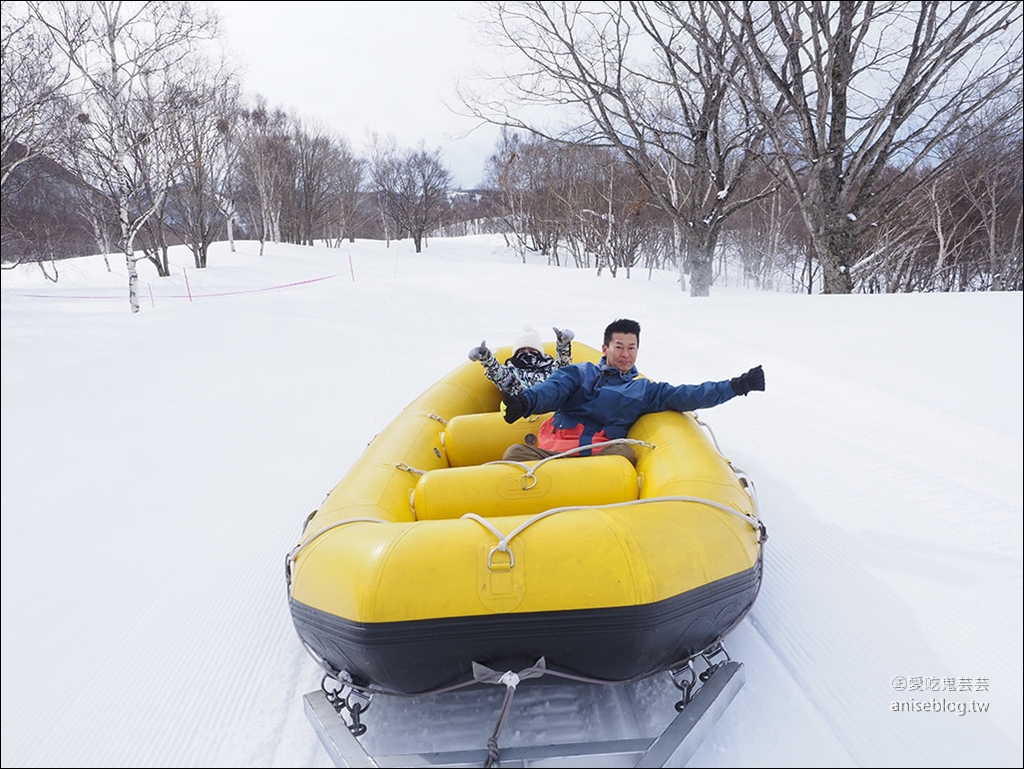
<point>158,467</point>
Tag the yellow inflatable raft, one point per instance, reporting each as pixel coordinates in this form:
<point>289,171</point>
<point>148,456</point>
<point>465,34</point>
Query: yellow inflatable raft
<point>432,554</point>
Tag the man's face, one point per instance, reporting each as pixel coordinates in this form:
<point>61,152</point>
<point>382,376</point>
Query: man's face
<point>621,351</point>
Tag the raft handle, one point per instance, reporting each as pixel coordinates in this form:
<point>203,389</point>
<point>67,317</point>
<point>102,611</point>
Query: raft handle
<point>501,546</point>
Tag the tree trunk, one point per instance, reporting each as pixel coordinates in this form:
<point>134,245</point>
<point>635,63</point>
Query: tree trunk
<point>133,279</point>
<point>837,249</point>
<point>703,244</point>
<point>679,250</point>
<point>701,274</point>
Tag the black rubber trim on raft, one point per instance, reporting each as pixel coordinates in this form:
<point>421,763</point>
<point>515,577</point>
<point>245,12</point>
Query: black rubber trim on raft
<point>614,644</point>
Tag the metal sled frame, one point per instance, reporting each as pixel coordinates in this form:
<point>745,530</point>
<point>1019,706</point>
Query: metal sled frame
<point>673,747</point>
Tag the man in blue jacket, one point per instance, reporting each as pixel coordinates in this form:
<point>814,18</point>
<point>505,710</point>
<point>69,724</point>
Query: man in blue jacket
<point>599,403</point>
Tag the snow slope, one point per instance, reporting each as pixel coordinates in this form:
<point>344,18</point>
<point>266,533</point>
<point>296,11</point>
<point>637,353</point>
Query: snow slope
<point>158,467</point>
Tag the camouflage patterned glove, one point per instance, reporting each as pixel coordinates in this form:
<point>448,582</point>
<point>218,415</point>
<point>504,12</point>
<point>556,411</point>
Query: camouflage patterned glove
<point>480,353</point>
<point>563,335</point>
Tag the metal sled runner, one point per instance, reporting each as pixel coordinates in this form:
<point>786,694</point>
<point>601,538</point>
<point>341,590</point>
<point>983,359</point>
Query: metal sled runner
<point>337,722</point>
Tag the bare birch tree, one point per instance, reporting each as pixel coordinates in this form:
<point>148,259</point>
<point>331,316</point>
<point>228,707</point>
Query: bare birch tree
<point>124,54</point>
<point>537,178</point>
<point>858,97</point>
<point>33,110</point>
<point>414,190</point>
<point>347,174</point>
<point>267,163</point>
<point>227,187</point>
<point>992,190</point>
<point>651,80</point>
<point>203,194</point>
<point>316,154</point>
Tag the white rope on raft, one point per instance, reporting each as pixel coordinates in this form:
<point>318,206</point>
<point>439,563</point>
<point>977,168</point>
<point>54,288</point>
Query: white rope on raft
<point>505,539</point>
<point>304,543</point>
<point>528,472</point>
<point>415,471</point>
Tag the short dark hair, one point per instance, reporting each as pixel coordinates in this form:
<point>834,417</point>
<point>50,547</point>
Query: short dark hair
<point>622,326</point>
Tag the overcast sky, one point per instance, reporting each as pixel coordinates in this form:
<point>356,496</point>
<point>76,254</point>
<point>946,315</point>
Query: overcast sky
<point>359,67</point>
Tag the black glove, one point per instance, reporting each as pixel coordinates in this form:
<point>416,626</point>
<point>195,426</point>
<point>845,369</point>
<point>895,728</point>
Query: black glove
<point>479,353</point>
<point>563,335</point>
<point>515,406</point>
<point>752,380</point>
